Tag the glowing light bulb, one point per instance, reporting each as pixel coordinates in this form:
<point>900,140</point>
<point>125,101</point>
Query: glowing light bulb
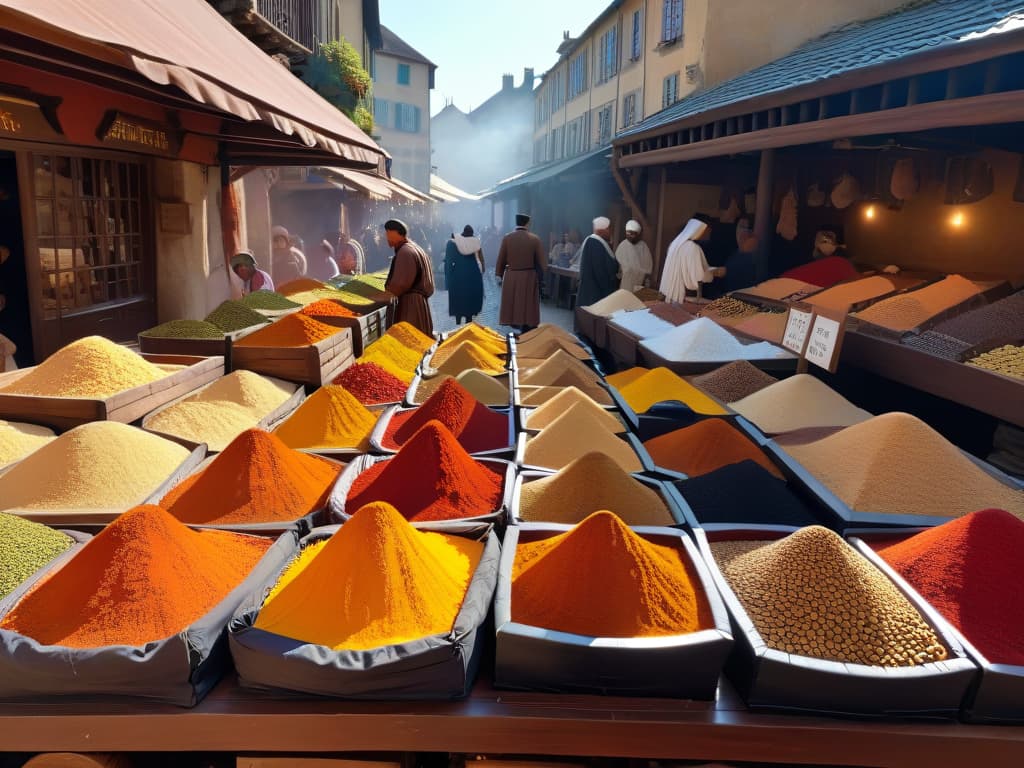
<point>869,213</point>
<point>957,220</point>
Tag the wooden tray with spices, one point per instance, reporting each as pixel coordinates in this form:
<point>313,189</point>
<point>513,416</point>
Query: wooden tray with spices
<point>592,327</point>
<point>315,364</point>
<point>187,373</point>
<point>195,347</point>
<point>623,345</point>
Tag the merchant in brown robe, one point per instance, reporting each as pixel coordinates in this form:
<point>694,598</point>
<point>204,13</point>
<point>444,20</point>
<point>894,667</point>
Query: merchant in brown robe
<point>410,278</point>
<point>521,261</point>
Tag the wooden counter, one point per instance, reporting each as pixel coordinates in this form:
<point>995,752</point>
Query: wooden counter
<point>492,721</point>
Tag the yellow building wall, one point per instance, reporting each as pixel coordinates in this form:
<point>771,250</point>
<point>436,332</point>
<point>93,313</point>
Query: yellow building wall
<point>410,152</point>
<point>631,73</point>
<point>666,60</point>
<point>744,34</point>
<point>580,105</point>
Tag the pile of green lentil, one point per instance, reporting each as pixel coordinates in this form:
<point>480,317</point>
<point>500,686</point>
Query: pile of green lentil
<point>234,316</point>
<point>811,594</point>
<point>268,300</point>
<point>25,547</point>
<point>184,329</point>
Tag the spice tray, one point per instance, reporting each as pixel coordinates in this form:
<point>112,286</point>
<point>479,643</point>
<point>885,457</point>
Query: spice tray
<point>441,666</point>
<point>178,670</point>
<point>412,398</point>
<point>651,359</point>
<point>523,391</point>
<point>677,506</point>
<point>646,464</point>
<point>300,526</point>
<point>593,328</point>
<point>997,695</point>
<point>623,345</point>
<point>314,364</point>
<point>268,422</point>
<point>94,520</point>
<point>336,505</point>
<point>63,413</point>
<point>801,478</point>
<point>196,347</point>
<point>359,326</point>
<point>78,540</point>
<point>343,455</point>
<point>770,679</point>
<point>678,666</point>
<point>377,436</point>
<point>525,413</point>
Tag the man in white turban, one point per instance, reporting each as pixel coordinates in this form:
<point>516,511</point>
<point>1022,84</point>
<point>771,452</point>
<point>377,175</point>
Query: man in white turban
<point>685,264</point>
<point>634,258</point>
<point>599,271</point>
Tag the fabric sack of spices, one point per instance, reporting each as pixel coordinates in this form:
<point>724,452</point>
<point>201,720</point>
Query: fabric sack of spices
<point>179,668</point>
<point>438,666</point>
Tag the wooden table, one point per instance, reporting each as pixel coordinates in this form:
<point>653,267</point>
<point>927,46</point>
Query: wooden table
<point>505,722</point>
<point>568,279</point>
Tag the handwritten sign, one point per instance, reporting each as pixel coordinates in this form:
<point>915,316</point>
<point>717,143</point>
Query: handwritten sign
<point>798,326</point>
<point>824,341</point>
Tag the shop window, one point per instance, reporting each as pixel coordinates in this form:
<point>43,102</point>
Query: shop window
<point>89,231</point>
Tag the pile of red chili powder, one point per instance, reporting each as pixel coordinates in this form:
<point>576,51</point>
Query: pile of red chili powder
<point>824,272</point>
<point>475,426</point>
<point>969,570</point>
<point>430,478</point>
<point>371,385</point>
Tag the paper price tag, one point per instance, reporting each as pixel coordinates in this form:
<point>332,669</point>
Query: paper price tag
<point>823,342</point>
<point>798,327</point>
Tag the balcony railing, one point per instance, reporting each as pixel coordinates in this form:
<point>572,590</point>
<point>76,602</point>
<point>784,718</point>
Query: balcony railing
<point>298,19</point>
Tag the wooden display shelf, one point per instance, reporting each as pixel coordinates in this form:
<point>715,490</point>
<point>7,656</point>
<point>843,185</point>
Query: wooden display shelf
<point>313,364</point>
<point>491,721</point>
<point>62,413</point>
<point>968,385</point>
<point>196,347</point>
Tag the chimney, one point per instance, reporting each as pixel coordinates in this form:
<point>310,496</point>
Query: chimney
<point>506,82</point>
<point>528,78</point>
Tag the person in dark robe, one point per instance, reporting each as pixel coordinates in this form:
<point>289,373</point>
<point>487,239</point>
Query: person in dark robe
<point>410,278</point>
<point>520,260</point>
<point>599,271</point>
<point>464,275</point>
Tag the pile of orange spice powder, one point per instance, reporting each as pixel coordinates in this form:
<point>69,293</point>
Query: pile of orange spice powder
<point>145,577</point>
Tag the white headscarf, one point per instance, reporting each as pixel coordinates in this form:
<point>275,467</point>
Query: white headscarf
<point>685,265</point>
<point>467,245</point>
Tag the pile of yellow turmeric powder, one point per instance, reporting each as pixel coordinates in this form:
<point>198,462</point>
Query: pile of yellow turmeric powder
<point>329,418</point>
<point>377,581</point>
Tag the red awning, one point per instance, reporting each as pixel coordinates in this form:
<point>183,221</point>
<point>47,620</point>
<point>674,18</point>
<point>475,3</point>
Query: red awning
<point>188,44</point>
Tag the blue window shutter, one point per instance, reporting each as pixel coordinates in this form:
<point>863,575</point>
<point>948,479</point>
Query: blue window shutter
<point>677,19</point>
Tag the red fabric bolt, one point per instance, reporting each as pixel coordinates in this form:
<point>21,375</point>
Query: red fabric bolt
<point>475,426</point>
<point>430,478</point>
<point>969,570</point>
<point>824,272</point>
<point>370,384</point>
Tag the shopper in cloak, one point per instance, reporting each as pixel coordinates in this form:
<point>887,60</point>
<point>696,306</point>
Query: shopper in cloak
<point>464,275</point>
<point>286,261</point>
<point>686,267</point>
<point>322,265</point>
<point>243,264</point>
<point>520,260</point>
<point>634,258</point>
<point>410,278</point>
<point>599,271</point>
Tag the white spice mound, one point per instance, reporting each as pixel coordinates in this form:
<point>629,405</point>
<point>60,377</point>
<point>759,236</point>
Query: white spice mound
<point>799,402</point>
<point>703,340</point>
<point>640,322</point>
<point>614,302</point>
<point>897,464</point>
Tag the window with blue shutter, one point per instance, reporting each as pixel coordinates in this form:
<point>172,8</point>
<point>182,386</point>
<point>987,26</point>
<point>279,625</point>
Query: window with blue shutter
<point>671,20</point>
<point>636,44</point>
<point>670,90</point>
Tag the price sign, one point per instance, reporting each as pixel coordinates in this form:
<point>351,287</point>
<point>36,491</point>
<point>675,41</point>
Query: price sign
<point>824,341</point>
<point>798,326</point>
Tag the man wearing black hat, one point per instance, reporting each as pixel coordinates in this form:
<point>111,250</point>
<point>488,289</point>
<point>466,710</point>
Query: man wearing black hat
<point>410,278</point>
<point>520,260</point>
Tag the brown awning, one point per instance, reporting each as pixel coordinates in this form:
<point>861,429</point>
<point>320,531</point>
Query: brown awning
<point>374,187</point>
<point>189,45</point>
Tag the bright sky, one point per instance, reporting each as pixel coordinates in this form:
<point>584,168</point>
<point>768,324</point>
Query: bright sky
<point>474,43</point>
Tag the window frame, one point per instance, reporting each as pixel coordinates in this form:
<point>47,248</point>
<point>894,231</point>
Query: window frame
<point>672,12</point>
<point>674,80</point>
<point>407,69</point>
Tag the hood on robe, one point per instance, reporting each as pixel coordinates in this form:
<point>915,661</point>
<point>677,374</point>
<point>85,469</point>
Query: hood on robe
<point>467,245</point>
<point>694,229</point>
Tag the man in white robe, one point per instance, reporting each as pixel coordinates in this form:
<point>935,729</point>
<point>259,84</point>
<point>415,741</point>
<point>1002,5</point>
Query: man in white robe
<point>634,258</point>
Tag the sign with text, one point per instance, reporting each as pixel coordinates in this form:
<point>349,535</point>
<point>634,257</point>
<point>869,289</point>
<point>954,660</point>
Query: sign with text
<point>824,342</point>
<point>798,326</point>
<point>25,119</point>
<point>139,134</point>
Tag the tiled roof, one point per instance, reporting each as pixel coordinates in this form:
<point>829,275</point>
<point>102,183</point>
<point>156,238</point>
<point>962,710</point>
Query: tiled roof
<point>396,46</point>
<point>912,29</point>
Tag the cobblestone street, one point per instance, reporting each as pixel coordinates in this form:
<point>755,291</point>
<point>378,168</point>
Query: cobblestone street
<point>549,313</point>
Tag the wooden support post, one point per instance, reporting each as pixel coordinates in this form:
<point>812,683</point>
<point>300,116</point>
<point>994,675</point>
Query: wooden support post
<point>659,240</point>
<point>763,215</point>
<point>627,193</point>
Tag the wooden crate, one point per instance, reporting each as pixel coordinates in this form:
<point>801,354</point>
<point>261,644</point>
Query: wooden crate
<point>314,364</point>
<point>623,346</point>
<point>63,413</point>
<point>269,422</point>
<point>196,347</point>
<point>359,326</point>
